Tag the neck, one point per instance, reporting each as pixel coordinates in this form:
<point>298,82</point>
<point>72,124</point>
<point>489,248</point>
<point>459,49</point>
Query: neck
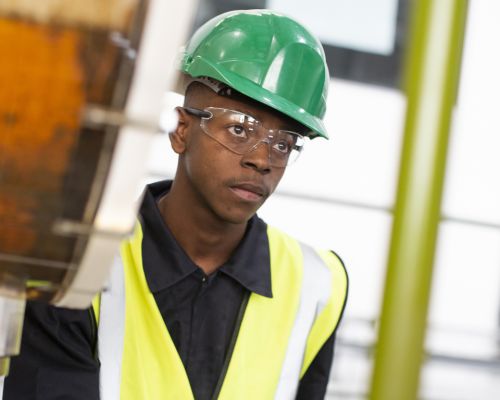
<point>205,238</point>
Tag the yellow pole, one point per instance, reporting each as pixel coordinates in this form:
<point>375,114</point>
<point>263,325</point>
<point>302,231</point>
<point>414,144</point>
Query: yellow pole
<point>432,70</point>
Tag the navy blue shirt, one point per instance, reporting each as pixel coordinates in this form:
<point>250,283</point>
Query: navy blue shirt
<point>202,314</point>
<point>201,311</point>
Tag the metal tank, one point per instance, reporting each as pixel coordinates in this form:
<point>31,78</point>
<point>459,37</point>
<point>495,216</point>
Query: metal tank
<point>81,90</point>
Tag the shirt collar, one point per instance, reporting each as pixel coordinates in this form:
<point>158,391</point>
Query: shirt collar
<point>166,263</point>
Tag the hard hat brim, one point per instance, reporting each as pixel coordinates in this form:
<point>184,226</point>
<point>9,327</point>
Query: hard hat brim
<point>201,67</point>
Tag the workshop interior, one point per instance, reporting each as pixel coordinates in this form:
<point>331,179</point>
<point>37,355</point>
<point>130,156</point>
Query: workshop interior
<point>405,190</point>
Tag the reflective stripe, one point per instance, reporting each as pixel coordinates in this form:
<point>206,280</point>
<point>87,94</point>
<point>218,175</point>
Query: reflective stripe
<point>314,296</point>
<point>328,319</point>
<point>2,378</point>
<point>111,333</point>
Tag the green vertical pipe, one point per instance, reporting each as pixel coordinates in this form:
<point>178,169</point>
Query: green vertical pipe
<point>432,70</point>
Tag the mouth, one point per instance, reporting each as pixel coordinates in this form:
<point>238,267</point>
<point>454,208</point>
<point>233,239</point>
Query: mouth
<point>249,191</point>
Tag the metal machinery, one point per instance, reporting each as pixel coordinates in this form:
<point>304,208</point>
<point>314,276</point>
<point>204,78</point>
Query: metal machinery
<point>81,90</point>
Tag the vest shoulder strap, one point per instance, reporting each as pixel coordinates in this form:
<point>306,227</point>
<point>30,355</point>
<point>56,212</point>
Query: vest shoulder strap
<point>328,318</point>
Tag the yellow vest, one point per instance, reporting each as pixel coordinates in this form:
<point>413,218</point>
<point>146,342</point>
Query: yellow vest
<point>277,340</point>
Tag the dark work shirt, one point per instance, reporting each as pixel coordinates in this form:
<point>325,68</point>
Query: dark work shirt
<point>201,314</point>
<point>56,360</point>
<point>200,311</point>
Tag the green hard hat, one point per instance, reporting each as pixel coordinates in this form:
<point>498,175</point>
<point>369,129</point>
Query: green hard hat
<point>266,56</point>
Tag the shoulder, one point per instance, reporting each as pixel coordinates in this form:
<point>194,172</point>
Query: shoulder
<point>325,264</point>
<point>329,257</point>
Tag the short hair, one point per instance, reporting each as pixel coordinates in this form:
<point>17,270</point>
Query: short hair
<point>193,90</point>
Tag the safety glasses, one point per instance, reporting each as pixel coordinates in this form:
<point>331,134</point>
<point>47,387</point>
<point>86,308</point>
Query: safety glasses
<point>241,133</point>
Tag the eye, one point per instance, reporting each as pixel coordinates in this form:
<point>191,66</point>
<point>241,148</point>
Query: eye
<point>237,130</point>
<point>283,147</point>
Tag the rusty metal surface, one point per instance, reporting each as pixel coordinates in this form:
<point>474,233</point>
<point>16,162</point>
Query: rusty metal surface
<point>48,74</point>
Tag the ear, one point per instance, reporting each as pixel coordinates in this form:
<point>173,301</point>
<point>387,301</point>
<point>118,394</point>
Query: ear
<point>179,136</point>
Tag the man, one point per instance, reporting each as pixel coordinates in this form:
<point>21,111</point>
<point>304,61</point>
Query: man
<point>207,301</point>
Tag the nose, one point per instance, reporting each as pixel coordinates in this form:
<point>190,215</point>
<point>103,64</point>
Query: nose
<point>258,157</point>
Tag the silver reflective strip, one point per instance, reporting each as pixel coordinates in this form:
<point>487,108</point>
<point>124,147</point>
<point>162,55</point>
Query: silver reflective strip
<point>315,292</point>
<point>2,378</point>
<point>111,332</point>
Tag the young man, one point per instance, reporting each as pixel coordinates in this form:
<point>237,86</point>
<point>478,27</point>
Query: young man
<point>207,301</point>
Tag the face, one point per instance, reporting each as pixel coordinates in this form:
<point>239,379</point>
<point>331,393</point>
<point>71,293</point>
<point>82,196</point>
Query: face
<point>231,187</point>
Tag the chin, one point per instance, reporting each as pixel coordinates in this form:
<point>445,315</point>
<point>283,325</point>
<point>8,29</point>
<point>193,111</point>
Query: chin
<point>238,220</point>
<point>237,217</point>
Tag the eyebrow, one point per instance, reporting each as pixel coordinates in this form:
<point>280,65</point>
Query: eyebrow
<point>289,125</point>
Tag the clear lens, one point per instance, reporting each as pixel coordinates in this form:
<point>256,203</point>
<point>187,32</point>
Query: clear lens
<point>241,133</point>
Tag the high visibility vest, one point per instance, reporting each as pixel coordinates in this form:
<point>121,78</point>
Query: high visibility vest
<point>277,340</point>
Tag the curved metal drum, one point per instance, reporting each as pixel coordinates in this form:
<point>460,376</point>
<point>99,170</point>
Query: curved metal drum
<point>52,161</point>
<point>81,88</point>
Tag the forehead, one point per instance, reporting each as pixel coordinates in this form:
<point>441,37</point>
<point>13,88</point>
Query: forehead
<point>236,101</point>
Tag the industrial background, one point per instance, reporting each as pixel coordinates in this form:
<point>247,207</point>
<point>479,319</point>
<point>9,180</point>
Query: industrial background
<point>406,191</point>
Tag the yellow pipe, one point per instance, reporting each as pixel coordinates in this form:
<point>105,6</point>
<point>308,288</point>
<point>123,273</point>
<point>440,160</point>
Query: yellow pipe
<point>432,71</point>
